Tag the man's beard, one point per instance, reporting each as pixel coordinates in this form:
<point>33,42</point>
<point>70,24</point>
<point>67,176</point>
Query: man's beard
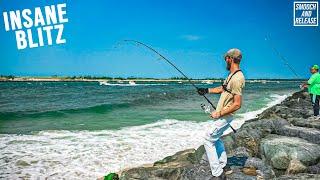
<point>228,66</point>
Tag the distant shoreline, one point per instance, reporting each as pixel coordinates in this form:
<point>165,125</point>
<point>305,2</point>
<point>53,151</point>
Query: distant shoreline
<point>126,80</point>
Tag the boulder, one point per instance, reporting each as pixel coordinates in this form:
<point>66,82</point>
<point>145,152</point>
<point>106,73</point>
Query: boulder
<point>280,150</point>
<point>296,106</point>
<point>300,176</point>
<point>295,167</point>
<point>309,134</point>
<point>241,152</point>
<point>182,158</point>
<point>250,135</point>
<point>187,164</point>
<point>251,171</point>
<point>310,122</point>
<point>315,169</point>
<point>263,169</point>
<point>237,174</point>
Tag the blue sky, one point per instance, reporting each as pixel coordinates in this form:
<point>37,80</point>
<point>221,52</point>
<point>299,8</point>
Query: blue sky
<point>193,34</point>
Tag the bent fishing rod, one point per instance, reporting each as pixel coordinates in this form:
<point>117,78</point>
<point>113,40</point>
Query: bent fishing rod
<point>174,66</point>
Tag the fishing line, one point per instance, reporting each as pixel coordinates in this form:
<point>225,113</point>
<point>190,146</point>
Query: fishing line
<point>174,66</point>
<point>284,60</point>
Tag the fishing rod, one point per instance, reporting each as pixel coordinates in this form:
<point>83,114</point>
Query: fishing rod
<point>284,60</point>
<point>168,61</point>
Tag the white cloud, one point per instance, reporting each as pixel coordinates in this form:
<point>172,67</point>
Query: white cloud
<point>190,37</point>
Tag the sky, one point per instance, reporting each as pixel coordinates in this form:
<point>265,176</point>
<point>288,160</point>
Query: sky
<point>192,34</point>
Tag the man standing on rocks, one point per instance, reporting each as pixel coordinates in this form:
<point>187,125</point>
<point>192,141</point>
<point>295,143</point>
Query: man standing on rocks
<point>230,101</point>
<point>313,86</point>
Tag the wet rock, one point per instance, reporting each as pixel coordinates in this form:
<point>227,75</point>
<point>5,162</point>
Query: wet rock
<point>284,112</point>
<point>295,167</point>
<point>300,176</point>
<point>298,106</point>
<point>309,134</point>
<point>280,150</point>
<point>250,135</point>
<point>145,172</point>
<point>251,171</point>
<point>182,158</point>
<point>315,169</point>
<point>241,152</point>
<point>188,164</point>
<point>310,122</point>
<point>199,172</point>
<point>22,163</point>
<point>264,170</point>
<point>237,174</point>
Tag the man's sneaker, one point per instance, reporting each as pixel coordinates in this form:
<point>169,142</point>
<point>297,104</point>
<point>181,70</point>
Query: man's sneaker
<point>227,170</point>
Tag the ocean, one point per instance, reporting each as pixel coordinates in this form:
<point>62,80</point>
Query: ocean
<point>84,130</point>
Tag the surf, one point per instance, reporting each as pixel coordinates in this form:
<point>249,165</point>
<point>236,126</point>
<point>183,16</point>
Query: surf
<point>87,154</point>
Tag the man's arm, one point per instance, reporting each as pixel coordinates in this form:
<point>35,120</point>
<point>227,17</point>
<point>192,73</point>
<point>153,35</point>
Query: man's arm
<point>216,90</point>
<point>308,83</point>
<point>311,80</point>
<point>237,102</point>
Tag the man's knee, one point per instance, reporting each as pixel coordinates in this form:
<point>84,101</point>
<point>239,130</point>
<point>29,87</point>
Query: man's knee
<point>207,139</point>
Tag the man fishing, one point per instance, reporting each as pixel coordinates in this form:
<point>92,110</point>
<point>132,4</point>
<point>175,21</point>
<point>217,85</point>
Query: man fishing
<point>230,101</point>
<point>313,86</point>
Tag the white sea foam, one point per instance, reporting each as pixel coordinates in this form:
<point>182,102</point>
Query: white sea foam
<point>92,154</point>
<point>273,100</point>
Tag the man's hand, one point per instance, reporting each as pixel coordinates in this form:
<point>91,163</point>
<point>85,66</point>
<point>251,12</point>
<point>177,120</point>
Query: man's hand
<point>215,115</point>
<point>203,91</point>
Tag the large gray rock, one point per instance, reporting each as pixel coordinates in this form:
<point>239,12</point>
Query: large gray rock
<point>239,175</point>
<point>182,158</point>
<point>310,122</point>
<point>199,172</point>
<point>296,106</point>
<point>250,135</point>
<point>295,167</point>
<point>309,134</point>
<point>265,170</point>
<point>280,150</point>
<point>300,176</point>
<point>315,169</point>
<point>187,164</point>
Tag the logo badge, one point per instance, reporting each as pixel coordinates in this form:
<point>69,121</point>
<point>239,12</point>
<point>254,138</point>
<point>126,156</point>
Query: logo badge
<point>305,13</point>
